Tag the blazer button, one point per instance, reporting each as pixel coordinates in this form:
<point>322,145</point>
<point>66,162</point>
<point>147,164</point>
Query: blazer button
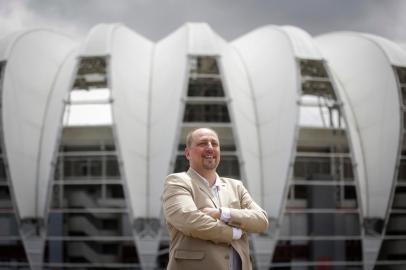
<point>227,257</point>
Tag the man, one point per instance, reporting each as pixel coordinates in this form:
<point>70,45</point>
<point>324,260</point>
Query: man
<point>208,216</point>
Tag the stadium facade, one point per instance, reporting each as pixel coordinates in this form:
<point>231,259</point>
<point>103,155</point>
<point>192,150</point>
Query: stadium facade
<point>314,127</point>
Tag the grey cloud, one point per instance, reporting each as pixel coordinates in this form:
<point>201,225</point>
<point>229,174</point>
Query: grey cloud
<point>156,19</point>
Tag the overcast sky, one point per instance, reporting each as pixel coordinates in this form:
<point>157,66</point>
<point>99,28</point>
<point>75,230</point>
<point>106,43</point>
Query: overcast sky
<point>155,19</point>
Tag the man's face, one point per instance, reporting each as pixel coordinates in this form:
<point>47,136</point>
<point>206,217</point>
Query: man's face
<point>204,151</point>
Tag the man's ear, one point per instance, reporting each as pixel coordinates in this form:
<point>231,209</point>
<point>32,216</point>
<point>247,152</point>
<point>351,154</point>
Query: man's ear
<point>187,154</point>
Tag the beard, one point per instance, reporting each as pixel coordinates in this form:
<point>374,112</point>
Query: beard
<point>210,164</point>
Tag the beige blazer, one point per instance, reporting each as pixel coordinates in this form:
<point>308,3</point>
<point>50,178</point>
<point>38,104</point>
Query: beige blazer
<point>199,241</point>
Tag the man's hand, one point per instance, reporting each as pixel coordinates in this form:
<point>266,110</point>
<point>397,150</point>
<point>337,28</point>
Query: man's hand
<point>213,212</point>
<point>216,213</point>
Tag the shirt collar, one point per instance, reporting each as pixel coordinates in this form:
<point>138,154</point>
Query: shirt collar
<point>217,182</point>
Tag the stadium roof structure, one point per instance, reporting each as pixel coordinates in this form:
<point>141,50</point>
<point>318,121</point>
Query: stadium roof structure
<point>148,81</point>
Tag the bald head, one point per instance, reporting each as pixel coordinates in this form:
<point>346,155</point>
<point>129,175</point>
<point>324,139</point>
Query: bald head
<point>189,136</point>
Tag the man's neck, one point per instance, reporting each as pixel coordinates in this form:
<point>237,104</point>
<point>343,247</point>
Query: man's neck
<point>210,176</point>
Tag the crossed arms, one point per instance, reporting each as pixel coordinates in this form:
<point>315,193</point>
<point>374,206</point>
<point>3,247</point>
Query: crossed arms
<point>181,212</point>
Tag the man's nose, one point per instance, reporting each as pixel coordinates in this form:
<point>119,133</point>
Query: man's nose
<point>209,145</point>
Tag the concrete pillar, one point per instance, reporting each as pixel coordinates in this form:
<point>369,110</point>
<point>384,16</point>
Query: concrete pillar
<point>33,236</point>
<point>264,247</point>
<point>371,246</point>
<point>147,234</point>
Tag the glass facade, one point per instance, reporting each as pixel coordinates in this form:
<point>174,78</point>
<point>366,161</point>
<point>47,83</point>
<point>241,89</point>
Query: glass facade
<point>321,224</point>
<point>88,223</point>
<point>89,101</point>
<point>392,254</point>
<point>206,105</point>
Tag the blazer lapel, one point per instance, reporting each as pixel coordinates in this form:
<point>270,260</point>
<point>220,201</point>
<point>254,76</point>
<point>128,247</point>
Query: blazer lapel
<point>202,186</point>
<point>208,193</point>
<point>223,193</point>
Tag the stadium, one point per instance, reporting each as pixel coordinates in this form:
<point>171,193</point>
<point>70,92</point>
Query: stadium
<point>313,126</point>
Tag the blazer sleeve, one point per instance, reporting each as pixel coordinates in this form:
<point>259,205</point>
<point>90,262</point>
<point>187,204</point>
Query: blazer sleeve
<point>251,217</point>
<point>181,212</point>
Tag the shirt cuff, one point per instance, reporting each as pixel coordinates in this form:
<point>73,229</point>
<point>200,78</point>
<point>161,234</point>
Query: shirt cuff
<point>225,214</point>
<point>237,233</point>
